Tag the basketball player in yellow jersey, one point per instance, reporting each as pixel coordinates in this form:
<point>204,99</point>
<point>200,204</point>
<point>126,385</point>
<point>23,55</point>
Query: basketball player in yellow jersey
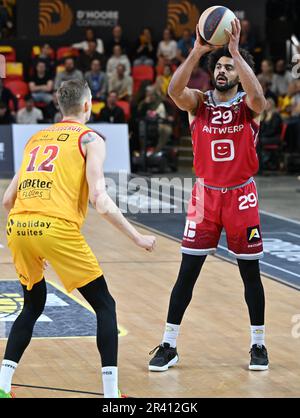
<point>47,201</point>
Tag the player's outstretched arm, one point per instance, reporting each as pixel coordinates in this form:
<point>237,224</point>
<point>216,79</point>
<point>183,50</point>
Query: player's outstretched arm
<point>10,194</point>
<point>255,95</point>
<point>94,147</point>
<point>185,98</point>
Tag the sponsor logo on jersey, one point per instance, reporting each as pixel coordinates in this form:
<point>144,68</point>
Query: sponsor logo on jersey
<point>31,188</point>
<point>253,234</point>
<point>63,137</point>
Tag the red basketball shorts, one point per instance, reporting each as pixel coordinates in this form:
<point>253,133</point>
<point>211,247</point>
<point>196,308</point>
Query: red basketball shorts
<point>234,209</point>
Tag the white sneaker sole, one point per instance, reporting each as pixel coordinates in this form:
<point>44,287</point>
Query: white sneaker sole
<point>164,368</point>
<point>258,368</point>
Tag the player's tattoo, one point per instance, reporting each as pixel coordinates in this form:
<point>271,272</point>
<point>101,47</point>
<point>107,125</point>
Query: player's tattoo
<point>89,138</point>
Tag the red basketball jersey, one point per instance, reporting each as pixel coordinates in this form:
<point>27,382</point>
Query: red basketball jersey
<point>224,139</point>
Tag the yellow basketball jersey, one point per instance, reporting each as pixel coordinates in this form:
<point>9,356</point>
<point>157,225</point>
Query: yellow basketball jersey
<point>52,177</point>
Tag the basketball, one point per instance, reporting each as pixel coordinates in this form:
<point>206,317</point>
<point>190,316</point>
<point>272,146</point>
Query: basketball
<point>212,24</point>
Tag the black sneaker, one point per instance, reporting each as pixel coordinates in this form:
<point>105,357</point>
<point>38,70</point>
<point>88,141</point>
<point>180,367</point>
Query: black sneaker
<point>259,358</point>
<point>164,358</point>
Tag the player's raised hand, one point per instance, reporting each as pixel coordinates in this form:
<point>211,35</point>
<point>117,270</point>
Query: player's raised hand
<point>201,45</point>
<point>234,37</point>
<point>146,241</point>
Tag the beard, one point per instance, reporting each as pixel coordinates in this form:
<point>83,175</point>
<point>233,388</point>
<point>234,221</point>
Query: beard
<point>227,86</point>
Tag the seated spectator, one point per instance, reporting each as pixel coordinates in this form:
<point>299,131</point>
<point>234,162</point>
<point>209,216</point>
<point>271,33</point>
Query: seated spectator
<point>268,92</point>
<point>30,114</point>
<point>41,84</point>
<point>121,83</point>
<point>185,45</point>
<point>97,81</point>
<point>88,55</point>
<point>270,131</point>
<point>199,80</point>
<point>111,113</point>
<point>6,96</point>
<point>267,72</point>
<point>117,39</point>
<point>90,36</point>
<point>6,118</point>
<point>247,40</point>
<point>47,57</point>
<point>145,50</point>
<point>167,48</point>
<point>295,98</point>
<point>117,58</point>
<point>282,79</point>
<point>70,73</point>
<point>162,81</point>
<point>153,108</point>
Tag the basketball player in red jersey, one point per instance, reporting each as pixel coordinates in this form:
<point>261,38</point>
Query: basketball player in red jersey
<point>224,125</point>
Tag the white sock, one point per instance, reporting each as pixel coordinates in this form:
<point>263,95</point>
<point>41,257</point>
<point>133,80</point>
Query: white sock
<point>257,335</point>
<point>6,374</point>
<point>110,382</point>
<point>171,334</point>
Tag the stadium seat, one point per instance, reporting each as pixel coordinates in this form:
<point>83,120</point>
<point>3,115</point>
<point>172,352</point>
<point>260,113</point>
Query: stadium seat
<point>9,52</point>
<point>97,107</point>
<point>141,73</point>
<point>126,108</point>
<point>14,71</point>
<point>18,87</point>
<point>66,51</point>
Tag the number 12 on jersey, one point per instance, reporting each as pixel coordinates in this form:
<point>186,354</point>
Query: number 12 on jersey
<point>46,166</point>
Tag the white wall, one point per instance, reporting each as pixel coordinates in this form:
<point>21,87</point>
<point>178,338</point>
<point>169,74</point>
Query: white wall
<point>117,144</point>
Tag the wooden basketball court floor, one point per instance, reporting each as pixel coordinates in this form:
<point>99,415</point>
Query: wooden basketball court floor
<point>214,339</point>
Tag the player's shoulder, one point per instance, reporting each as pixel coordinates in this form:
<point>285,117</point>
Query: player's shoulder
<point>90,136</point>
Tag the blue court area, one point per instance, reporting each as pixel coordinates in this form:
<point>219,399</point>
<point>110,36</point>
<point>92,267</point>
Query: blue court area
<point>63,316</point>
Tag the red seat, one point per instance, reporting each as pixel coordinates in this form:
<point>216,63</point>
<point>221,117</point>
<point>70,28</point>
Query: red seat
<point>141,73</point>
<point>17,87</point>
<point>126,109</point>
<point>36,50</point>
<point>66,51</point>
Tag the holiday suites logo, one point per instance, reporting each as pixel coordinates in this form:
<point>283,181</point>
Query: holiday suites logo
<point>55,17</point>
<point>182,15</point>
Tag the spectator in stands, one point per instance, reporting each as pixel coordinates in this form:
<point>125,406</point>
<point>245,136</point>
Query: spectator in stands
<point>282,79</point>
<point>199,80</point>
<point>46,55</point>
<point>153,108</point>
<point>97,80</point>
<point>121,83</point>
<point>267,72</point>
<point>117,39</point>
<point>167,48</point>
<point>270,131</point>
<point>267,91</point>
<point>145,51</point>
<point>88,55</point>
<point>185,45</point>
<point>112,113</point>
<point>90,36</point>
<point>70,73</point>
<point>6,96</point>
<point>162,81</point>
<point>295,99</point>
<point>247,40</point>
<point>30,114</point>
<point>41,84</point>
<point>6,118</point>
<point>117,58</point>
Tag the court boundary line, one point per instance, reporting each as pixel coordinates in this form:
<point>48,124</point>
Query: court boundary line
<point>270,276</point>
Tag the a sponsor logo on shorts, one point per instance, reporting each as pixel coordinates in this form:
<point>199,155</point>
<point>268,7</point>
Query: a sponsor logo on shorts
<point>32,188</point>
<point>253,234</point>
<point>10,224</point>
<point>32,228</point>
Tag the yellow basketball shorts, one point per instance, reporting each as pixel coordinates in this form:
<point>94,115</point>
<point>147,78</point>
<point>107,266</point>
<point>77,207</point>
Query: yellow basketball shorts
<point>34,238</point>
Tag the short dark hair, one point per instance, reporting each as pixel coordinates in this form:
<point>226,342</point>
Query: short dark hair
<point>215,56</point>
<point>28,98</point>
<point>70,96</point>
